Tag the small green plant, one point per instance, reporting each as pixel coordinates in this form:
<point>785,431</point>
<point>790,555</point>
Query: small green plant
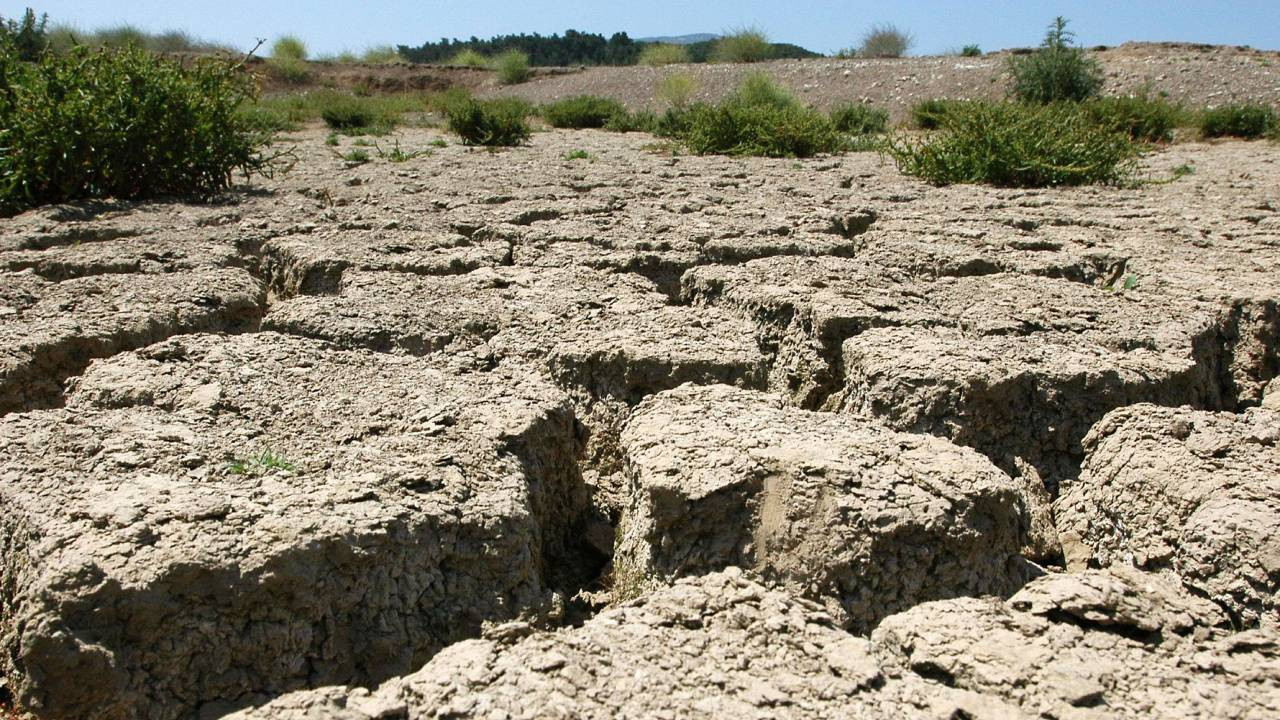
<point>288,47</point>
<point>642,121</point>
<point>331,139</point>
<point>1130,282</point>
<point>1242,121</point>
<point>259,464</point>
<point>289,60</point>
<point>397,154</point>
<point>577,155</point>
<point>123,123</point>
<point>970,51</point>
<point>353,115</point>
<point>660,54</point>
<point>512,67</point>
<point>469,58</point>
<point>759,89</point>
<point>381,55</point>
<point>745,45</point>
<point>1018,145</point>
<point>1183,170</point>
<point>438,143</point>
<point>583,111</point>
<point>490,123</point>
<point>363,142</point>
<point>884,41</point>
<point>677,89</point>
<point>1140,117</point>
<point>930,114</point>
<point>28,37</point>
<point>356,156</point>
<point>859,119</point>
<point>1057,71</point>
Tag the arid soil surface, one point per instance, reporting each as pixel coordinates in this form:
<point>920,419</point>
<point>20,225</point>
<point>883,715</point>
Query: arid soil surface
<point>507,435</point>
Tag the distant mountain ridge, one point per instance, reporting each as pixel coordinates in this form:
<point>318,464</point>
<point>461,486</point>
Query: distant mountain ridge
<point>680,39</point>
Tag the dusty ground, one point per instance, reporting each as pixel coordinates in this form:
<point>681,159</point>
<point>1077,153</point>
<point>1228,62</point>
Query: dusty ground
<point>501,434</point>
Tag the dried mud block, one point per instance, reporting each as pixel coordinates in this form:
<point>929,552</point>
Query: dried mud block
<point>718,646</point>
<point>165,253</point>
<point>1192,493</point>
<point>51,331</point>
<point>314,263</point>
<point>1090,645</point>
<point>213,518</point>
<point>869,520</point>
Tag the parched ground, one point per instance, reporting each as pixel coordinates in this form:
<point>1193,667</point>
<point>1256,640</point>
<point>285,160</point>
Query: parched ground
<point>504,434</point>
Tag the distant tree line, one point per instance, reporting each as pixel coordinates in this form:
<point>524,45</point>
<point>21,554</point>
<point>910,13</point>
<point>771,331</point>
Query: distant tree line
<point>572,48</point>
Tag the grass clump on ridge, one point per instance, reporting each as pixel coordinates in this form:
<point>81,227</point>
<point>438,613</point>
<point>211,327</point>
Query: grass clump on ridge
<point>746,45</point>
<point>288,59</point>
<point>512,67</point>
<point>1242,121</point>
<point>469,58</point>
<point>1058,71</point>
<point>1018,145</point>
<point>583,111</point>
<point>488,122</point>
<point>122,123</point>
<point>661,54</point>
<point>885,41</point>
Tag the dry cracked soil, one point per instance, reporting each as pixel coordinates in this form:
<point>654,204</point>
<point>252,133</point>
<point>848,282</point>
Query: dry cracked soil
<point>507,435</point>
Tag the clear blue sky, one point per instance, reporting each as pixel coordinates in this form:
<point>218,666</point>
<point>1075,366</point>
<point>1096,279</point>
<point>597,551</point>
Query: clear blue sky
<point>824,26</point>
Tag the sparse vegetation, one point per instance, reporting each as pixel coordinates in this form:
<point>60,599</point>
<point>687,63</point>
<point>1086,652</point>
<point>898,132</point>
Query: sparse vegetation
<point>289,60</point>
<point>885,41</point>
<point>489,123</point>
<point>381,55</point>
<point>1140,117</point>
<point>398,154</point>
<point>469,58</point>
<point>122,123</point>
<point>288,47</point>
<point>583,111</point>
<point>859,119</point>
<point>354,115</point>
<point>747,45</point>
<point>970,51</point>
<point>1243,121</point>
<point>677,89</point>
<point>758,89</point>
<point>577,155</point>
<point>512,67</point>
<point>929,114</point>
<point>356,156</point>
<point>259,464</point>
<point>660,54</point>
<point>1018,145</point>
<point>1057,71</point>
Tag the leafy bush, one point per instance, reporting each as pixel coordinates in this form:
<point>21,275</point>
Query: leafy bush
<point>583,111</point>
<point>1056,72</point>
<point>757,88</point>
<point>676,90</point>
<point>885,41</point>
<point>1243,121</point>
<point>1018,145</point>
<point>1140,117</point>
<point>929,114</point>
<point>734,128</point>
<point>288,47</point>
<point>859,119</point>
<point>970,51</point>
<point>122,123</point>
<point>664,54</point>
<point>353,115</point>
<point>642,121</point>
<point>512,67</point>
<point>747,45</point>
<point>28,37</point>
<point>490,122</point>
<point>469,58</point>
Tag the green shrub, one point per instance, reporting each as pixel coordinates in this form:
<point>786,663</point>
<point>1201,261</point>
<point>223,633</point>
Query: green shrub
<point>642,121</point>
<point>1057,71</point>
<point>1242,121</point>
<point>664,54</point>
<point>884,41</point>
<point>353,115</point>
<point>929,114</point>
<point>381,55</point>
<point>469,58</point>
<point>676,90</point>
<point>512,67</point>
<point>746,45</point>
<point>1018,145</point>
<point>970,51</point>
<point>765,130</point>
<point>675,123</point>
<point>120,36</point>
<point>1140,117</point>
<point>859,119</point>
<point>583,111</point>
<point>27,37</point>
<point>757,88</point>
<point>288,47</point>
<point>122,123</point>
<point>491,122</point>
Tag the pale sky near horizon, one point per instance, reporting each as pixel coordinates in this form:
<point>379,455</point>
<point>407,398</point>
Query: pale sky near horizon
<point>820,25</point>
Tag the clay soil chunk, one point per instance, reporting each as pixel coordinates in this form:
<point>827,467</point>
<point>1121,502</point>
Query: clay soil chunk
<point>1090,645</point>
<point>718,646</point>
<point>50,331</point>
<point>214,518</point>
<point>867,519</point>
<point>1195,494</point>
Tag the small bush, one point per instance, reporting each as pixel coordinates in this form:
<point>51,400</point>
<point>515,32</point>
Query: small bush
<point>929,114</point>
<point>488,122</point>
<point>664,54</point>
<point>122,123</point>
<point>353,115</point>
<point>512,67</point>
<point>381,55</point>
<point>642,121</point>
<point>970,51</point>
<point>733,128</point>
<point>676,90</point>
<point>1242,121</point>
<point>288,47</point>
<point>757,88</point>
<point>469,58</point>
<point>577,155</point>
<point>859,119</point>
<point>1018,145</point>
<point>28,37</point>
<point>583,111</point>
<point>1057,71</point>
<point>747,45</point>
<point>1140,117</point>
<point>885,41</point>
